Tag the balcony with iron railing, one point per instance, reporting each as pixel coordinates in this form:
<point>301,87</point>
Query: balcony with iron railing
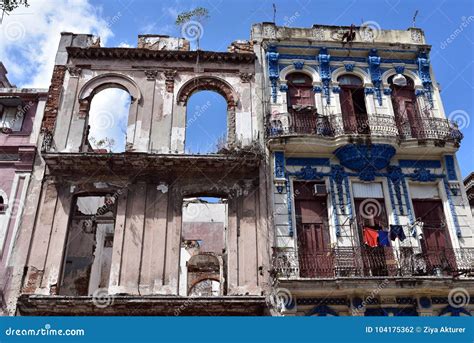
<point>334,126</point>
<point>366,262</point>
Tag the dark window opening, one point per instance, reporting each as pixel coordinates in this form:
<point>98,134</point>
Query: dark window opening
<point>88,255</point>
<point>203,247</point>
<point>3,206</point>
<point>352,98</point>
<point>11,118</point>
<point>406,111</point>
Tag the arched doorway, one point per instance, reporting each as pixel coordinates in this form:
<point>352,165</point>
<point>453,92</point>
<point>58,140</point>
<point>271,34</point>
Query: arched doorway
<point>352,98</point>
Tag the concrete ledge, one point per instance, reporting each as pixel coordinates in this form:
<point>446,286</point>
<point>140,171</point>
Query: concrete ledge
<point>124,305</point>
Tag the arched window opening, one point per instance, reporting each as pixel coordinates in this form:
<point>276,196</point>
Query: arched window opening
<point>3,206</point>
<point>108,120</point>
<point>352,98</point>
<point>407,115</point>
<point>89,245</point>
<point>205,288</point>
<point>206,123</point>
<point>300,91</point>
<point>300,99</point>
<point>203,246</point>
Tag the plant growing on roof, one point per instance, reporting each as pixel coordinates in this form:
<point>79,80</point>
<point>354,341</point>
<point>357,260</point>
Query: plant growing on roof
<point>7,6</point>
<point>191,24</point>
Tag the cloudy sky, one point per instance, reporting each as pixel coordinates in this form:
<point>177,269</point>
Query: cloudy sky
<point>29,38</point>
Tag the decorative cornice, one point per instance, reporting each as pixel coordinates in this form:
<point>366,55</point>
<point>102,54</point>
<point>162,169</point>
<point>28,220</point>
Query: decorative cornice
<point>161,55</point>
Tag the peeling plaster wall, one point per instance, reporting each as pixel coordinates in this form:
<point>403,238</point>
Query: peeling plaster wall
<point>147,240</point>
<point>157,118</point>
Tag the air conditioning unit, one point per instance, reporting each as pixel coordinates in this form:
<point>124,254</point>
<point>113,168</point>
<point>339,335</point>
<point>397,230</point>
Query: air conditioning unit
<point>320,190</point>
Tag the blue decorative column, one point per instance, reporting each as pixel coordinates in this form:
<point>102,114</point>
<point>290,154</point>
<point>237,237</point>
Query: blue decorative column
<point>273,72</point>
<point>325,72</point>
<point>424,74</point>
<point>375,73</point>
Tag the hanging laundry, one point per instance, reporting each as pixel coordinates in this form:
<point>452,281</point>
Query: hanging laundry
<point>397,231</point>
<point>370,237</point>
<point>383,239</point>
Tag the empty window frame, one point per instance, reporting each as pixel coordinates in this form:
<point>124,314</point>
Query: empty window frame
<point>88,254</point>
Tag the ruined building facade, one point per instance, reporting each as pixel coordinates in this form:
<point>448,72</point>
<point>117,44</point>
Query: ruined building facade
<point>339,190</point>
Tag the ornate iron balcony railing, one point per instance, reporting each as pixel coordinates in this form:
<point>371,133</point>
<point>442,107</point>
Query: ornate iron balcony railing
<point>373,262</point>
<point>311,123</point>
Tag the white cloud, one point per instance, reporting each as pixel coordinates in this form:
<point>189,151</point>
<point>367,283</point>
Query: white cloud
<point>125,45</point>
<point>29,37</point>
<point>109,116</point>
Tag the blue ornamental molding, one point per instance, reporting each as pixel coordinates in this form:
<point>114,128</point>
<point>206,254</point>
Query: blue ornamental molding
<point>450,168</point>
<point>283,88</point>
<point>325,72</point>
<point>419,164</point>
<point>279,164</point>
<point>308,173</point>
<point>423,175</point>
<point>400,69</point>
<point>338,175</point>
<point>395,175</point>
<point>360,156</point>
<point>298,65</point>
<point>423,63</point>
<point>336,89</point>
<point>387,91</point>
<point>322,311</point>
<point>317,89</point>
<point>454,311</point>
<point>369,90</point>
<point>375,73</point>
<point>273,71</point>
<point>349,67</point>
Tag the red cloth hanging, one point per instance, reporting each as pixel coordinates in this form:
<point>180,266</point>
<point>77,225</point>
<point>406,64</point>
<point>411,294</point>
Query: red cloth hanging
<point>370,237</point>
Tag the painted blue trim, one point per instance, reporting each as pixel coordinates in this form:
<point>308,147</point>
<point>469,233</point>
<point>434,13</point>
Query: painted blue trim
<point>334,208</point>
<point>344,59</point>
<point>297,161</point>
<point>290,210</point>
<point>273,70</point>
<point>325,72</point>
<point>392,202</point>
<point>322,311</point>
<point>450,168</point>
<point>451,207</point>
<point>338,48</point>
<point>375,73</point>
<point>348,197</point>
<point>455,311</point>
<point>419,163</point>
<point>407,202</point>
<point>279,168</point>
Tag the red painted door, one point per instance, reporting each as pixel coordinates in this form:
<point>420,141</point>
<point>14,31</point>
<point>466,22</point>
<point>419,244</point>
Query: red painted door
<point>435,243</point>
<point>348,112</point>
<point>315,255</point>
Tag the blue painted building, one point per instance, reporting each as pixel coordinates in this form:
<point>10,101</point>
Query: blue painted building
<point>370,213</point>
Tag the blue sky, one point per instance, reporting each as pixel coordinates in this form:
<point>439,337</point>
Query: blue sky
<point>120,21</point>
